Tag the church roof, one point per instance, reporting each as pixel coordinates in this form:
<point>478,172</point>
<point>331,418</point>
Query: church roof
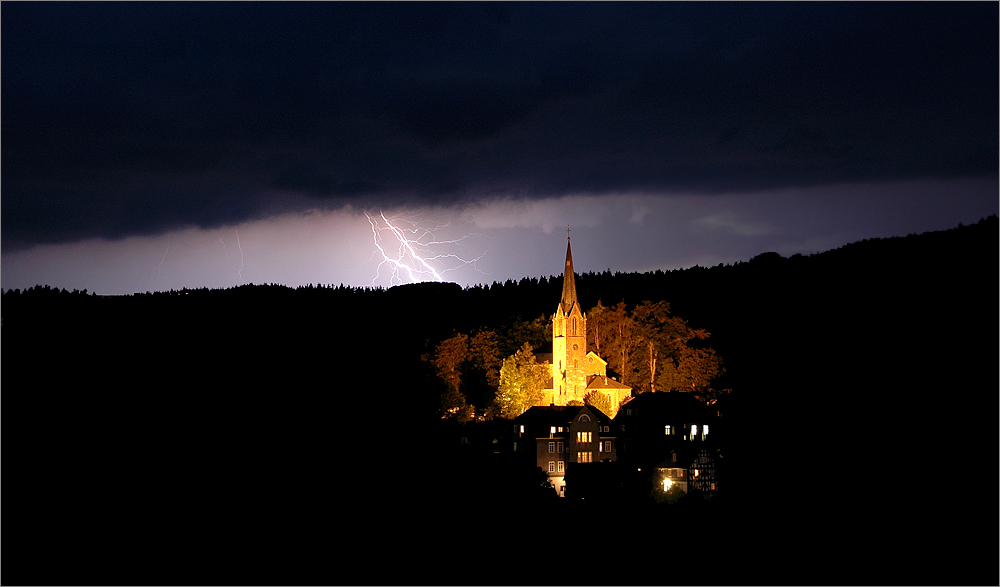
<point>569,283</point>
<point>602,382</point>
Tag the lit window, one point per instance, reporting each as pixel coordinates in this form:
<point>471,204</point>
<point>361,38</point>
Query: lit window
<point>552,430</point>
<point>552,447</point>
<point>704,431</point>
<point>694,431</point>
<point>668,429</point>
<point>583,437</point>
<point>561,467</point>
<point>584,457</point>
<point>696,472</point>
<point>667,483</point>
<point>559,429</point>
<point>552,466</point>
<point>522,428</point>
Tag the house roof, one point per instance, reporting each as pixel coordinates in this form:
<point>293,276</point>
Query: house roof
<point>671,405</point>
<point>540,417</point>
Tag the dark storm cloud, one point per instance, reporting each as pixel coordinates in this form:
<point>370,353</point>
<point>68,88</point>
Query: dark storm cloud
<point>135,118</point>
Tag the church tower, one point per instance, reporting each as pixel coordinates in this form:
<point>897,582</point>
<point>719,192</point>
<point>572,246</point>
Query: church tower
<point>569,342</point>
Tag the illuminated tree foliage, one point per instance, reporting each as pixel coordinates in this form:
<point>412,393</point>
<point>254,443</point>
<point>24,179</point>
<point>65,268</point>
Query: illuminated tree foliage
<point>448,358</point>
<point>610,329</point>
<point>602,402</point>
<point>469,366</point>
<point>484,354</point>
<point>521,382</point>
<point>652,349</point>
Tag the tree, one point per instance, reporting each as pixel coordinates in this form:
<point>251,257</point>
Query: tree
<point>653,349</point>
<point>535,332</point>
<point>521,382</point>
<point>602,402</point>
<point>449,355</point>
<point>653,327</point>
<point>482,368</point>
<point>484,352</point>
<point>612,336</point>
<point>448,358</point>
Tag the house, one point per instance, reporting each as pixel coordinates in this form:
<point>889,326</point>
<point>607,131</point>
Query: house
<point>670,433</point>
<point>563,436</point>
<point>574,371</point>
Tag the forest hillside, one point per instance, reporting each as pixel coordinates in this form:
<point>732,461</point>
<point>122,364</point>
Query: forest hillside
<point>863,393</point>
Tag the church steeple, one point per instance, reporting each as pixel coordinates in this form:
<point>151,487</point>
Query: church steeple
<point>569,283</point>
<point>569,341</point>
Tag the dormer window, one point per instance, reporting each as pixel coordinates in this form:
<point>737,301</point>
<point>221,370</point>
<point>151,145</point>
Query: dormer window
<point>585,418</point>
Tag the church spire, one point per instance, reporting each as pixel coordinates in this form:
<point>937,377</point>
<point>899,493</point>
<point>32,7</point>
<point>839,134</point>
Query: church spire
<point>569,283</point>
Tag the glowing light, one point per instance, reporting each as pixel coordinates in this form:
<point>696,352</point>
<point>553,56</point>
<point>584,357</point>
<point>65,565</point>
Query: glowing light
<point>413,252</point>
<point>667,483</point>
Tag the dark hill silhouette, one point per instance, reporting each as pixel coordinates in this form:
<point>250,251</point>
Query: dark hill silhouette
<point>864,400</point>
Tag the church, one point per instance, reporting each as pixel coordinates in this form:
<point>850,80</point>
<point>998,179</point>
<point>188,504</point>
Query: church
<point>575,372</point>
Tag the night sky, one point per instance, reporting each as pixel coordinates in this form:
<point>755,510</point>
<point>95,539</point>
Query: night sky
<point>155,146</point>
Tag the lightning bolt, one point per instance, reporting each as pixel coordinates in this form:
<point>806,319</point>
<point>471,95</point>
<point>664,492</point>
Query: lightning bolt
<point>413,250</point>
<point>241,253</point>
<point>159,267</point>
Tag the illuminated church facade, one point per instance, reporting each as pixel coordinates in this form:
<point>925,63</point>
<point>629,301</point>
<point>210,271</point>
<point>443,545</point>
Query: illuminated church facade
<point>575,372</point>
